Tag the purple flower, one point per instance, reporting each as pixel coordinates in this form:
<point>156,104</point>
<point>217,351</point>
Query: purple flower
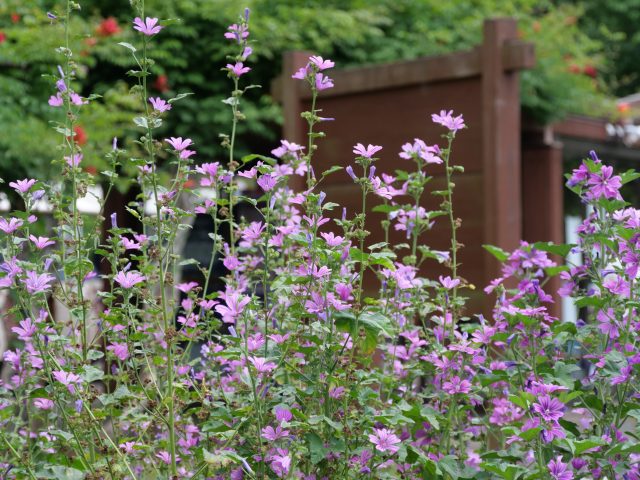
<point>41,242</point>
<point>120,350</point>
<point>56,100</point>
<point>456,385</point>
<point>320,63</point>
<point>178,143</point>
<point>10,226</point>
<point>448,283</point>
<point>331,239</point>
<point>237,32</point>
<point>73,161</point>
<point>385,440</point>
<point>447,120</point>
<point>350,172</point>
<point>579,175</point>
<point>281,463</point>
<point>234,308</point>
<point>559,470</point>
<point>148,27</point>
<point>22,186</point>
<point>165,457</point>
<point>68,379</point>
<point>283,414</point>
<point>550,409</point>
<point>238,69</point>
<point>159,105</point>
<point>607,323</point>
<point>262,365</point>
<point>274,434</point>
<point>605,184</point>
<point>43,403</point>
<point>302,73</point>
<point>187,287</point>
<point>323,82</point>
<point>368,151</point>
<point>37,283</point>
<point>129,279</point>
<point>245,53</point>
<point>26,330</point>
<point>267,182</point>
<point>419,149</point>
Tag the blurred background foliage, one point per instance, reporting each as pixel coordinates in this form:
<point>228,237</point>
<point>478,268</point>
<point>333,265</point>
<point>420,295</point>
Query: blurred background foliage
<point>577,69</point>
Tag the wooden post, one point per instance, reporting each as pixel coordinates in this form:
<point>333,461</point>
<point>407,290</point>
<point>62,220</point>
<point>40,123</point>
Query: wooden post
<point>542,199</point>
<point>501,142</point>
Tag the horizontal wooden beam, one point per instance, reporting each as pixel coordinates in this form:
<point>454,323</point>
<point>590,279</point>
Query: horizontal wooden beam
<point>582,127</point>
<point>517,55</point>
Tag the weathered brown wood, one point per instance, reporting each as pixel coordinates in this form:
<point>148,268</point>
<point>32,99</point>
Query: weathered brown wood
<point>453,66</point>
<point>501,143</point>
<point>587,128</point>
<point>542,202</point>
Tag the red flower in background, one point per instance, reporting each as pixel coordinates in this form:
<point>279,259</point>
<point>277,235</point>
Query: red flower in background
<point>108,27</point>
<point>15,17</point>
<point>590,71</point>
<point>161,84</point>
<point>81,136</point>
<point>3,37</point>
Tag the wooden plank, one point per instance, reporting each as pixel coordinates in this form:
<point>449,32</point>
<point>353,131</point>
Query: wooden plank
<point>587,128</point>
<point>542,202</point>
<point>501,143</point>
<point>437,68</point>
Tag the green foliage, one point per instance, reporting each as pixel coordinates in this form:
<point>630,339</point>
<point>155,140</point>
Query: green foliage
<point>191,53</point>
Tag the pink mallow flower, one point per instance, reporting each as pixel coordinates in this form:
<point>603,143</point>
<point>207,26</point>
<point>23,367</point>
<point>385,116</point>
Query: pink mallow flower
<point>149,27</point>
<point>129,279</point>
<point>41,242</point>
<point>26,330</point>
<point>446,119</point>
<point>22,186</point>
<point>68,379</point>
<point>456,385</point>
<point>43,403</point>
<point>368,151</point>
<point>234,307</point>
<point>238,69</point>
<point>385,440</point>
<point>178,143</point>
<point>559,470</point>
<point>120,350</point>
<point>11,225</point>
<point>272,434</point>
<point>323,82</point>
<point>159,105</point>
<point>37,283</point>
<point>262,365</point>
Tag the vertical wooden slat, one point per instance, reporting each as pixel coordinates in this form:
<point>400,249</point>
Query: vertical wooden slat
<point>501,142</point>
<point>542,202</point>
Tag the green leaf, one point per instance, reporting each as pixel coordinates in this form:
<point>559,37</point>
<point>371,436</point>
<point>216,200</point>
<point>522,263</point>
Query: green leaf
<point>561,249</point>
<point>629,176</point>
<point>180,96</point>
<point>333,169</point>
<point>497,252</point>
<point>316,447</point>
<point>129,46</point>
<point>91,374</point>
<point>430,415</point>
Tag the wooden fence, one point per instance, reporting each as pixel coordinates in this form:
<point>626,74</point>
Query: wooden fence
<point>391,104</point>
